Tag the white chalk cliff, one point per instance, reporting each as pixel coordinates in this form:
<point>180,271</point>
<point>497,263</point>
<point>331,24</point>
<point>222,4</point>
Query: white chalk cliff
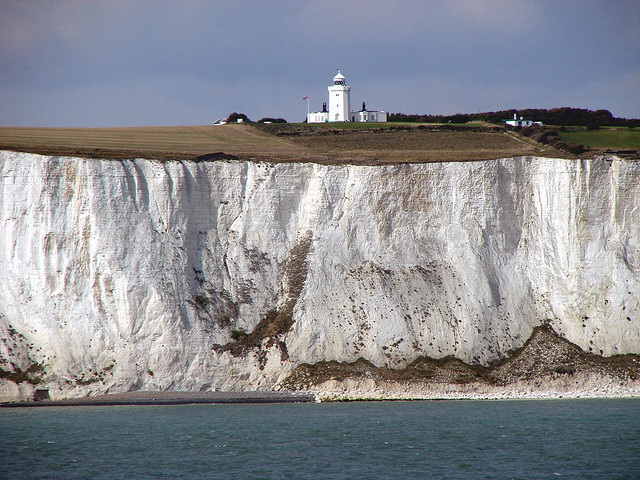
<point>136,274</point>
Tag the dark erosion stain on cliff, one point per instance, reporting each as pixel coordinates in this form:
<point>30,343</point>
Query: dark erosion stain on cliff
<point>277,321</point>
<point>544,355</point>
<point>16,362</point>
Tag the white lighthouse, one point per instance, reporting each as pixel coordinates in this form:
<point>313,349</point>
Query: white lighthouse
<point>339,102</point>
<point>340,106</point>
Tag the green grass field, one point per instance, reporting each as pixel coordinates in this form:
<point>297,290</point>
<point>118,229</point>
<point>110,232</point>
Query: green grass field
<point>606,137</point>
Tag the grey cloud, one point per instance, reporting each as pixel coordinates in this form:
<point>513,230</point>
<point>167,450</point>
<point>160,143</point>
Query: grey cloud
<point>174,62</point>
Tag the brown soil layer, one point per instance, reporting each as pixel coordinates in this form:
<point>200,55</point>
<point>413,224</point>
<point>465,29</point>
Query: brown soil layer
<point>279,144</point>
<point>544,355</point>
<point>170,398</point>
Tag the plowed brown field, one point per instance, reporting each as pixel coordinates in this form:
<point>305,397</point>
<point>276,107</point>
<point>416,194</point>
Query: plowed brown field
<point>381,145</point>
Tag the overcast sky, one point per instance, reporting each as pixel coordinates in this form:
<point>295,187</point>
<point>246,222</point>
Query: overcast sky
<point>124,63</point>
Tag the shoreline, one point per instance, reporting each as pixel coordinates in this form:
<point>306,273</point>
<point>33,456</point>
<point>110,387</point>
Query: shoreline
<point>170,398</point>
<point>333,397</point>
<point>150,398</point>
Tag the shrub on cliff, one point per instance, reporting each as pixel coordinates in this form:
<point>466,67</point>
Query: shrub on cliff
<point>551,137</point>
<point>272,120</point>
<point>234,117</point>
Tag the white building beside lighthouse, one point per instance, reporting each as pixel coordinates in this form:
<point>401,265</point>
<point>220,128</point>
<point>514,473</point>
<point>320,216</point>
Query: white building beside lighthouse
<point>340,106</point>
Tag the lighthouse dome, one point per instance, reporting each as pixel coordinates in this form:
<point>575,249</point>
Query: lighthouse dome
<point>339,79</point>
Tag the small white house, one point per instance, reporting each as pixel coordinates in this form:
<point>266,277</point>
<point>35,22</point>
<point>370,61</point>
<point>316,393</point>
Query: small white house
<point>318,117</point>
<point>340,106</point>
<point>365,115</point>
<point>520,122</point>
<point>223,121</point>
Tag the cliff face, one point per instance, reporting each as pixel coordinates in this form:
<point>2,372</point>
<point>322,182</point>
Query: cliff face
<point>124,275</point>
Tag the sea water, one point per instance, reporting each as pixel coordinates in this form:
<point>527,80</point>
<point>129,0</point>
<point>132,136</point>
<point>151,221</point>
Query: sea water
<point>545,439</point>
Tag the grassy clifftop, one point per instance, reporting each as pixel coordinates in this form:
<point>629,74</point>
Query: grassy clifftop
<point>362,143</point>
<point>402,142</point>
<point>605,137</point>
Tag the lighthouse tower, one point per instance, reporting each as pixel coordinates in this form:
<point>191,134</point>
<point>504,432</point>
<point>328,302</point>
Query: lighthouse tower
<point>339,103</point>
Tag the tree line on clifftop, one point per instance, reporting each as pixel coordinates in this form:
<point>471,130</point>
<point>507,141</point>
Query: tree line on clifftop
<point>565,116</point>
<point>235,116</point>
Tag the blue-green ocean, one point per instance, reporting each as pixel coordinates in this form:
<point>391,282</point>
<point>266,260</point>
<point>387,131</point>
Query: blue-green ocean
<point>545,439</point>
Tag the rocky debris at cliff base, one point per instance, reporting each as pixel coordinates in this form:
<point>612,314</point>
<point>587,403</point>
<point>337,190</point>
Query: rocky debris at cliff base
<point>545,363</point>
<point>579,386</point>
